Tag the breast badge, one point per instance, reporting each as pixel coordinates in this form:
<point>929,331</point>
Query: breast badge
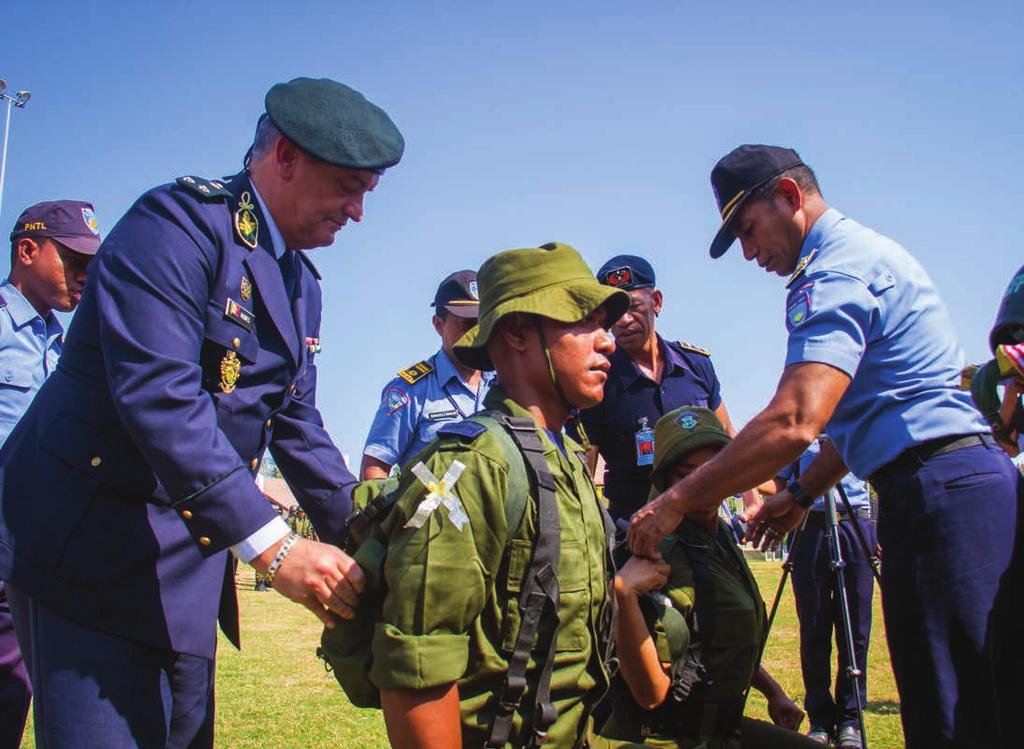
<point>230,369</point>
<point>245,290</point>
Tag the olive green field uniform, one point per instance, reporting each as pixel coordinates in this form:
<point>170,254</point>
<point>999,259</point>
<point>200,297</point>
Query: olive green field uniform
<point>712,716</point>
<point>451,609</point>
<point>732,659</point>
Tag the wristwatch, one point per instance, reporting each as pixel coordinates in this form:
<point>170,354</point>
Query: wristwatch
<point>803,499</point>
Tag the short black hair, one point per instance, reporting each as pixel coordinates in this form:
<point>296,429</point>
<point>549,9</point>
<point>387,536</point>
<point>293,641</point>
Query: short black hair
<point>803,175</point>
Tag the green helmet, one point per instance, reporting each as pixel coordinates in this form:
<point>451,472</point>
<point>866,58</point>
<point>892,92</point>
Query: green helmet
<point>552,281</point>
<point>1009,325</point>
<point>677,434</point>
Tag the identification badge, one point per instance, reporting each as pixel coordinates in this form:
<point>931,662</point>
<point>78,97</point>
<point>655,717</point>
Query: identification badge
<point>644,438</point>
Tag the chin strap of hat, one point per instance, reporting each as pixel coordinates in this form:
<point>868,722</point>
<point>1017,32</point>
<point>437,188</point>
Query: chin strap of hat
<point>551,367</point>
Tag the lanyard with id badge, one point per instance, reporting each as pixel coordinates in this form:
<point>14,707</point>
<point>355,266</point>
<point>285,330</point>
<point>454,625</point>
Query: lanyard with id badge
<point>644,439</point>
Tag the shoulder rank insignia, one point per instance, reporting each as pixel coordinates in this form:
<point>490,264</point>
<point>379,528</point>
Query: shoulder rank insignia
<point>230,369</point>
<point>801,267</point>
<point>466,428</point>
<point>247,227</point>
<point>205,188</point>
<point>695,349</point>
<point>416,372</point>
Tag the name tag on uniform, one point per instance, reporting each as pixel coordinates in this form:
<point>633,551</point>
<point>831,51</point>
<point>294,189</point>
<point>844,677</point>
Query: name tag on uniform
<point>443,415</point>
<point>238,314</point>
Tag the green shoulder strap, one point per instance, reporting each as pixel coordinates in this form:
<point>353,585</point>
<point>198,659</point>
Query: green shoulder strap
<point>518,481</point>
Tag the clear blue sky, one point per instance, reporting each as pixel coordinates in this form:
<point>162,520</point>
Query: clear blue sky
<point>590,123</point>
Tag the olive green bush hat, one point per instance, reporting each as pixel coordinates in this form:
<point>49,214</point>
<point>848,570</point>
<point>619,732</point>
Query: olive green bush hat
<point>677,434</point>
<point>551,280</point>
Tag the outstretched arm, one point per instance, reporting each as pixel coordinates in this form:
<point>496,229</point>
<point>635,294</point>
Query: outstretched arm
<point>804,401</point>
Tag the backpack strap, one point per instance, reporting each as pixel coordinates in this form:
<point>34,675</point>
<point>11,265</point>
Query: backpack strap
<point>539,595</point>
<point>518,480</point>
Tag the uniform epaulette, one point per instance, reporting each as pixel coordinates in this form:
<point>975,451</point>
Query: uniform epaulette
<point>466,429</point>
<point>309,264</point>
<point>205,188</point>
<point>695,349</point>
<point>416,372</point>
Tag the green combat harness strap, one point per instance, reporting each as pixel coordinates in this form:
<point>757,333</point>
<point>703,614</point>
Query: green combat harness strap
<point>539,595</point>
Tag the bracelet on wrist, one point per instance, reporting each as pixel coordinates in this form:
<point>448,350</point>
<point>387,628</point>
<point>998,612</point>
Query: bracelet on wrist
<point>282,552</point>
<point>800,494</point>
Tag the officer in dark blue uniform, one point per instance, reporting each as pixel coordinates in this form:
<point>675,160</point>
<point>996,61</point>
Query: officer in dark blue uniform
<point>872,355</point>
<point>649,377</point>
<point>131,476</point>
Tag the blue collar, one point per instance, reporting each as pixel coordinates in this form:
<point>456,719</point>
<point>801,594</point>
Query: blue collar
<point>631,372</point>
<point>816,236</point>
<point>276,238</point>
<point>22,312</point>
<point>446,371</point>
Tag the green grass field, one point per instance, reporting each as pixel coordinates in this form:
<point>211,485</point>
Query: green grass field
<point>275,694</point>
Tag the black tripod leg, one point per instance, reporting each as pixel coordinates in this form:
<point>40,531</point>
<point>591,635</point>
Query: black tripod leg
<point>869,554</point>
<point>787,568</point>
<point>838,565</point>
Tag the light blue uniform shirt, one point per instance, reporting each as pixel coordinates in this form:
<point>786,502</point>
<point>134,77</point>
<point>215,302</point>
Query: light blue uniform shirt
<point>863,305</point>
<point>29,349</point>
<point>856,490</point>
<point>410,414</point>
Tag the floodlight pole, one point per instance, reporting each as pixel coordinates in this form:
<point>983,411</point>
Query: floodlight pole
<point>3,158</point>
<point>18,100</point>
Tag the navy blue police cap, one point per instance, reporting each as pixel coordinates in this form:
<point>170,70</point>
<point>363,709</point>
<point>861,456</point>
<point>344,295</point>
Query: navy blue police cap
<point>737,175</point>
<point>335,123</point>
<point>627,272</point>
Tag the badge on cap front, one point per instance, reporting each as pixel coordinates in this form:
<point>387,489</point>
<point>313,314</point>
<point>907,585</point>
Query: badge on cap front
<point>89,216</point>
<point>619,277</point>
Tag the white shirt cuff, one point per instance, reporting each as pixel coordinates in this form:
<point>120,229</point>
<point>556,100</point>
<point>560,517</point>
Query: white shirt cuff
<point>249,548</point>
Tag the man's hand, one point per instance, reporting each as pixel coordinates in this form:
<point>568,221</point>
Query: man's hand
<point>784,712</point>
<point>319,576</point>
<point>778,515</point>
<point>640,575</point>
<point>651,523</point>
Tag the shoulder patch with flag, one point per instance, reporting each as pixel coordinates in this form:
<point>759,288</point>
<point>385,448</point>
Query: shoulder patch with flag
<point>798,308</point>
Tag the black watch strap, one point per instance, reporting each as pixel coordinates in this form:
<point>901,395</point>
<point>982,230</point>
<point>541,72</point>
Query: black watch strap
<point>803,499</point>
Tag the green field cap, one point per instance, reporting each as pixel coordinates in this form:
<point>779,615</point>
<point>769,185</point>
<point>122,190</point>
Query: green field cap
<point>551,280</point>
<point>335,123</point>
<point>678,433</point>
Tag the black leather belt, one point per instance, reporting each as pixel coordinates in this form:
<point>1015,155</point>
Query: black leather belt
<point>914,456</point>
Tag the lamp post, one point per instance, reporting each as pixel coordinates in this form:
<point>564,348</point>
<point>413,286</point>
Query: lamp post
<point>18,99</point>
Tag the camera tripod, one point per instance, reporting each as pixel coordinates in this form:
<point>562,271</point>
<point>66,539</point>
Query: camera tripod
<point>838,565</point>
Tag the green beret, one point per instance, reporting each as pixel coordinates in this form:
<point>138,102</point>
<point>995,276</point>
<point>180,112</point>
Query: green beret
<point>677,434</point>
<point>335,123</point>
<point>552,281</point>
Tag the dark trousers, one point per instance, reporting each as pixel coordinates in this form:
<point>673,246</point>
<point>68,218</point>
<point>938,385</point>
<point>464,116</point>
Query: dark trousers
<point>15,692</point>
<point>92,689</point>
<point>949,527</point>
<point>817,608</point>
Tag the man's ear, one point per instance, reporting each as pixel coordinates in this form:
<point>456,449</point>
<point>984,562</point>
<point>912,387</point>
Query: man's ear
<point>26,251</point>
<point>791,193</point>
<point>514,329</point>
<point>657,300</point>
<point>286,158</point>
<point>438,324</point>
